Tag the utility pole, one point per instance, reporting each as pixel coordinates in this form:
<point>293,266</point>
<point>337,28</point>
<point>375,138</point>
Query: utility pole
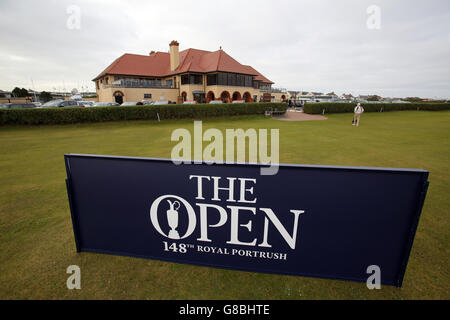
<point>34,91</point>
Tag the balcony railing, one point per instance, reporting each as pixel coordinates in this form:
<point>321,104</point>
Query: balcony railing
<point>140,84</point>
<point>272,90</point>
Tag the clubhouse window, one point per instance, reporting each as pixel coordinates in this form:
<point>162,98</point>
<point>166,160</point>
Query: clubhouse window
<point>230,79</point>
<point>192,79</point>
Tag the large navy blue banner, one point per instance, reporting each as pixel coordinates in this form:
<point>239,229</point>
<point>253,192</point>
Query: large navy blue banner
<point>318,221</point>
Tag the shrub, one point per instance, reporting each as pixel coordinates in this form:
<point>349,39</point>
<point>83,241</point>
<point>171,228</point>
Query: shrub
<point>45,96</point>
<point>330,107</point>
<point>100,114</point>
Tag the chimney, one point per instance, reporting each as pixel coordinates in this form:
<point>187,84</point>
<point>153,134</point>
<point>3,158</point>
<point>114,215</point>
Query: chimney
<point>174,55</point>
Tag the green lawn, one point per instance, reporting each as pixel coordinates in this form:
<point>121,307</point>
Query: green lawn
<point>36,237</point>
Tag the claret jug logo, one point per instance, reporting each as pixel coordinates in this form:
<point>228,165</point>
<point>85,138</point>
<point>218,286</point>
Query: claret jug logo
<point>239,222</point>
<point>173,216</point>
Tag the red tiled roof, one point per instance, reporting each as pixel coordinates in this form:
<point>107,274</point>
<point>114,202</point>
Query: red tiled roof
<point>191,60</point>
<point>259,76</point>
<point>156,65</point>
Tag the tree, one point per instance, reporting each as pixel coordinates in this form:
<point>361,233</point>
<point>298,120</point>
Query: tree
<point>25,92</point>
<point>45,96</point>
<point>16,92</point>
<point>20,93</point>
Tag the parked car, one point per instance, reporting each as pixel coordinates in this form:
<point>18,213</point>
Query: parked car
<point>161,102</point>
<point>128,104</point>
<point>215,101</point>
<point>147,102</point>
<point>18,105</point>
<point>52,103</point>
<point>85,103</point>
<point>61,104</point>
<point>297,104</point>
<point>238,101</point>
<point>69,104</point>
<point>37,104</point>
<point>105,104</point>
<point>190,102</point>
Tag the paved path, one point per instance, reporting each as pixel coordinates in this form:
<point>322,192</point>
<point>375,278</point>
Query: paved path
<point>299,116</point>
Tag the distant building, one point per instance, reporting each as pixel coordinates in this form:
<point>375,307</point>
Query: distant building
<point>362,98</point>
<point>5,94</point>
<point>326,98</point>
<point>395,100</point>
<point>312,96</point>
<point>347,97</point>
<point>332,94</point>
<point>292,95</point>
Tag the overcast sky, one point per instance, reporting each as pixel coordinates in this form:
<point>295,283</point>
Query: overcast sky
<point>300,45</point>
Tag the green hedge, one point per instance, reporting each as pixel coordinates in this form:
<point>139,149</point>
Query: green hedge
<point>99,114</point>
<point>330,107</point>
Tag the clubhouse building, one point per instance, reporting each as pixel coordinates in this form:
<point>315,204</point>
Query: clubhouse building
<point>177,76</point>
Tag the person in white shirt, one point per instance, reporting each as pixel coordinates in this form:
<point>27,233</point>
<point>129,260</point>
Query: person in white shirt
<point>358,111</point>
